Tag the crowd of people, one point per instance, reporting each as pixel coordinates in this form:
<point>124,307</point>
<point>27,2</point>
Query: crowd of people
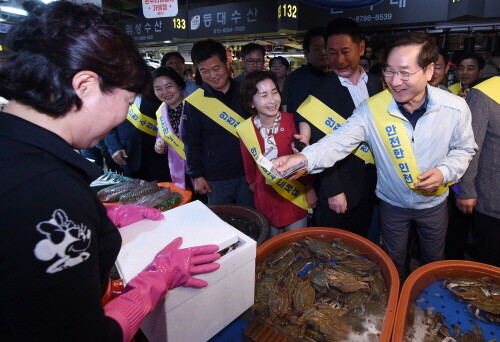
<point>382,152</point>
<point>204,155</point>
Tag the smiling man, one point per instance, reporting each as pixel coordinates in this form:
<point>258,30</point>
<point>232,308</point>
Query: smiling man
<point>346,191</point>
<point>421,138</point>
<point>209,130</point>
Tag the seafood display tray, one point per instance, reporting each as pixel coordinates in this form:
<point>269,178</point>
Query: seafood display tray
<point>437,298</point>
<point>185,194</point>
<point>190,314</point>
<point>372,251</point>
<point>423,287</point>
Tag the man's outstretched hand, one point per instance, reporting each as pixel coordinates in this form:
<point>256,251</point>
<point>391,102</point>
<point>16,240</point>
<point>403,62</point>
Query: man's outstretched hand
<point>285,162</point>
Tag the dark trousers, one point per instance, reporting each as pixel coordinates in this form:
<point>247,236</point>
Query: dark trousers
<point>459,226</point>
<point>486,239</point>
<point>431,224</point>
<point>231,191</point>
<point>357,219</point>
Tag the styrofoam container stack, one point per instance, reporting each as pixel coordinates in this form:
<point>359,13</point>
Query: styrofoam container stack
<point>191,314</point>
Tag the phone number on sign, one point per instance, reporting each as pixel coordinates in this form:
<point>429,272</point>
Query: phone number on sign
<point>229,29</point>
<point>376,17</point>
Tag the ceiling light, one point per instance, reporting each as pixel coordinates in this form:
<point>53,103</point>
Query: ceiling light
<point>13,10</point>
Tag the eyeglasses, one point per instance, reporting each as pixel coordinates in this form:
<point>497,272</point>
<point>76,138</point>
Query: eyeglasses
<point>254,61</point>
<point>403,75</point>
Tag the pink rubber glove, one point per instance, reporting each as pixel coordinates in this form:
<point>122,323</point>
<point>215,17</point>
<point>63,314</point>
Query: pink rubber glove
<point>170,268</point>
<point>123,215</point>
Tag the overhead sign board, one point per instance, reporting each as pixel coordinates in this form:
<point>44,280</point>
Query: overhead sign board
<point>238,18</point>
<point>160,8</point>
<point>462,8</point>
<point>288,15</point>
<point>145,30</point>
<point>491,9</point>
<point>388,12</point>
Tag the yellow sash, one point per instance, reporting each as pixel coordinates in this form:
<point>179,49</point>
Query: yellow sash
<point>455,88</point>
<point>396,141</point>
<point>141,121</point>
<point>293,190</point>
<point>327,121</point>
<point>491,88</point>
<point>215,110</point>
<point>169,136</point>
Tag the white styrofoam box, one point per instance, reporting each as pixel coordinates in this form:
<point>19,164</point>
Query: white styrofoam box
<point>194,222</point>
<point>190,314</point>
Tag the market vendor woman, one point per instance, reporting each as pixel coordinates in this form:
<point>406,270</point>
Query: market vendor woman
<point>70,78</point>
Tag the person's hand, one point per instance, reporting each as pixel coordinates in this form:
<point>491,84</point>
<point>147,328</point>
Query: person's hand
<point>120,157</point>
<point>311,198</point>
<point>252,187</point>
<point>431,180</point>
<point>338,203</point>
<point>466,206</point>
<point>160,146</point>
<point>201,185</point>
<point>123,215</point>
<point>285,162</point>
<point>302,138</point>
<point>171,267</point>
<point>184,263</point>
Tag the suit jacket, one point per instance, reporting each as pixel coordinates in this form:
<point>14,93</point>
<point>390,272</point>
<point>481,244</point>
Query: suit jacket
<point>347,175</point>
<point>138,145</point>
<point>482,178</point>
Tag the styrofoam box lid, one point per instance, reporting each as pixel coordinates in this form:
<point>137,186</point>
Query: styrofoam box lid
<point>194,222</point>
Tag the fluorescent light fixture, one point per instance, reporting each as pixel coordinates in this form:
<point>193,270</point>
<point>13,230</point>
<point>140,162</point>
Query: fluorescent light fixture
<point>48,1</point>
<point>13,10</point>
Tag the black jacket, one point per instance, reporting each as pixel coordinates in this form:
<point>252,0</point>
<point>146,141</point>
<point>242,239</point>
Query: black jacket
<point>57,246</point>
<point>346,175</point>
<point>212,152</point>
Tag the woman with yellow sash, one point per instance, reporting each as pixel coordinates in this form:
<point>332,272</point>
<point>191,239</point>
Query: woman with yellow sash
<point>269,132</point>
<point>168,86</point>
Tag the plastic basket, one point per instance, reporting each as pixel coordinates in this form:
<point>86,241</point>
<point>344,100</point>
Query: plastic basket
<point>365,246</point>
<point>423,284</point>
<point>238,210</point>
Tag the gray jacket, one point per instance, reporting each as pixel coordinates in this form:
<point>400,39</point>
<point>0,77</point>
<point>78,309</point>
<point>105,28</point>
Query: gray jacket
<point>482,179</point>
<point>442,139</point>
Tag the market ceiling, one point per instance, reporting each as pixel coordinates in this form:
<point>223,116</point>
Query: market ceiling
<point>275,20</point>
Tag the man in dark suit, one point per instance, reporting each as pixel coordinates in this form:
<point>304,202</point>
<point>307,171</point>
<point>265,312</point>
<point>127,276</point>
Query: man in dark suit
<point>133,149</point>
<point>346,191</point>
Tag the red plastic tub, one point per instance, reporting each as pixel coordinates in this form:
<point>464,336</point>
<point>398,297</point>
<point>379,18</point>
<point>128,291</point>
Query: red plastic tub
<point>365,246</point>
<point>429,274</point>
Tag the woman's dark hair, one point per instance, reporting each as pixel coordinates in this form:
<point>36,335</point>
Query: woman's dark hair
<point>282,59</point>
<point>55,43</point>
<point>248,88</point>
<point>428,50</point>
<point>167,56</point>
<point>207,48</point>
<point>170,73</point>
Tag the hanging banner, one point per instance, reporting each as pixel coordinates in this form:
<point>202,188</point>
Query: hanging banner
<point>159,8</point>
